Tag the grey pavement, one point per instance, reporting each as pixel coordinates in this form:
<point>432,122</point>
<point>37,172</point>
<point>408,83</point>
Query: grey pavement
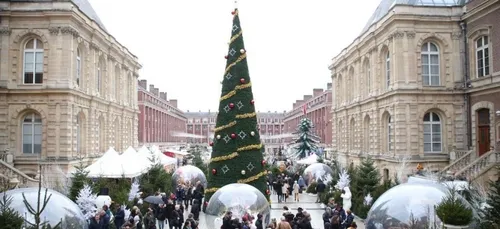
<point>307,202</point>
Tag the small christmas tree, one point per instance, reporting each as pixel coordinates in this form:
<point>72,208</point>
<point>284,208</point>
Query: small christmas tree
<point>344,180</point>
<point>9,218</point>
<point>134,190</point>
<point>367,180</point>
<point>492,211</point>
<point>79,180</point>
<point>307,141</point>
<point>86,201</point>
<point>41,204</point>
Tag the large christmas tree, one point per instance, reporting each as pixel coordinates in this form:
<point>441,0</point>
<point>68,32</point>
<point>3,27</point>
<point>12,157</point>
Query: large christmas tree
<point>307,141</point>
<point>236,147</point>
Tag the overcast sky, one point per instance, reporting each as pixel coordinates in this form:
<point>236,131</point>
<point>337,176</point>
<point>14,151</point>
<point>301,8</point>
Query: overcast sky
<point>181,44</point>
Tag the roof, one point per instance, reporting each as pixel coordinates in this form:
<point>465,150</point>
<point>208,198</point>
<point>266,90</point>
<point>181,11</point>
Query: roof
<point>83,5</point>
<point>386,5</point>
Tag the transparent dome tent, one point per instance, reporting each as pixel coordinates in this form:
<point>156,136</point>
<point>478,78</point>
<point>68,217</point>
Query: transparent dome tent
<point>59,208</point>
<point>409,205</point>
<point>318,171</point>
<point>188,174</point>
<point>239,199</point>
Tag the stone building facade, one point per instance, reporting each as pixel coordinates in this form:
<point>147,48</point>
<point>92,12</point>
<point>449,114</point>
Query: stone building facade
<point>200,126</point>
<point>67,87</point>
<point>316,107</point>
<point>161,122</point>
<point>398,88</point>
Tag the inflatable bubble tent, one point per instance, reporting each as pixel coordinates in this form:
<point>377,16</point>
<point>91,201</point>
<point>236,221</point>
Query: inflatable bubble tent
<point>188,174</point>
<point>240,199</point>
<point>316,172</point>
<point>59,208</point>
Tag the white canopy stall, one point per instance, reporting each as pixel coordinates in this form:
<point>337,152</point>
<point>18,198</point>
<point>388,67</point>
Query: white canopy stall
<point>134,162</point>
<point>155,152</point>
<point>111,165</point>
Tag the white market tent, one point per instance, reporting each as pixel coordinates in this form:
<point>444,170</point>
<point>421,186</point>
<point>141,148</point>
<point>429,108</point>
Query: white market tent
<point>177,152</point>
<point>309,160</point>
<point>135,162</point>
<point>155,151</point>
<point>111,165</point>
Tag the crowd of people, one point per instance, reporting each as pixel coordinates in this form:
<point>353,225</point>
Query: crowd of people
<point>170,211</point>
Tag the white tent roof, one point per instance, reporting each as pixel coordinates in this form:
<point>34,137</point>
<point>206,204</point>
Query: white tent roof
<point>177,152</point>
<point>109,166</point>
<point>155,151</point>
<point>133,162</point>
<point>309,160</point>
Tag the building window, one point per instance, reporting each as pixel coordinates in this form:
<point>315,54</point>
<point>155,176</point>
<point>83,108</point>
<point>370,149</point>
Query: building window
<point>116,84</point>
<point>78,135</point>
<point>483,56</point>
<point>390,134</point>
<point>388,69</point>
<point>32,134</point>
<point>98,75</point>
<point>432,133</point>
<point>78,67</point>
<point>430,64</point>
<point>368,76</point>
<point>33,62</point>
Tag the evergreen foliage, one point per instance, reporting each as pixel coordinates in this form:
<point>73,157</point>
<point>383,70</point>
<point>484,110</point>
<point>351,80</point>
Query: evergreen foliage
<point>198,160</point>
<point>367,179</point>
<point>452,210</point>
<point>306,142</point>
<point>9,218</point>
<point>120,188</point>
<point>156,179</point>
<point>492,212</point>
<point>79,180</point>
<point>236,143</point>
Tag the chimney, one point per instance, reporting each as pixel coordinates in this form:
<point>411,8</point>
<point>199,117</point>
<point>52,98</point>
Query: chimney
<point>156,92</point>
<point>151,88</point>
<point>307,97</point>
<point>143,84</point>
<point>317,91</point>
<point>329,86</point>
<point>163,95</point>
<point>173,102</point>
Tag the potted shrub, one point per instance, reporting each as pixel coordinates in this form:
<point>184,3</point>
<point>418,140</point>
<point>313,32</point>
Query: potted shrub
<point>453,211</point>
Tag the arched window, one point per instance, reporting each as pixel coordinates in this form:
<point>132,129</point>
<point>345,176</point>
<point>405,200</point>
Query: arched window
<point>99,76</point>
<point>352,135</point>
<point>432,133</point>
<point>32,134</point>
<point>390,134</point>
<point>366,134</point>
<point>78,67</point>
<point>340,89</point>
<point>368,76</point>
<point>116,84</point>
<point>430,64</point>
<point>483,56</point>
<point>33,62</point>
<point>388,69</point>
<point>78,135</point>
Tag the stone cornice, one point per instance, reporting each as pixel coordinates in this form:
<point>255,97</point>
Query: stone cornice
<point>410,34</point>
<point>456,35</point>
<point>54,30</point>
<point>70,30</point>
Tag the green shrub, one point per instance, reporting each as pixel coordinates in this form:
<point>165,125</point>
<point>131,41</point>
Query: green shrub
<point>452,210</point>
<point>312,188</point>
<point>9,218</point>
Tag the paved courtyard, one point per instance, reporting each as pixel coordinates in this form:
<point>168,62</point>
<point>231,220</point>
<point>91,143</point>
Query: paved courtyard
<point>307,202</point>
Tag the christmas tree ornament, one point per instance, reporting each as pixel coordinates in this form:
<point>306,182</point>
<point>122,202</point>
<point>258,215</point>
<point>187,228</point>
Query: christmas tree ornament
<point>231,105</point>
<point>226,57</point>
<point>242,80</point>
<point>233,135</point>
<point>218,136</point>
<point>252,133</point>
<point>243,172</point>
<point>242,51</point>
<point>211,143</point>
<point>268,192</point>
<point>263,162</point>
<point>252,101</point>
<point>214,171</point>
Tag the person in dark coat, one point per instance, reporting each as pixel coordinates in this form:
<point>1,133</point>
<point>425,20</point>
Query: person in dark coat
<point>119,216</point>
<point>104,219</point>
<point>95,222</point>
<point>178,217</point>
<point>199,192</point>
<point>258,223</point>
<point>191,221</point>
<point>161,216</point>
<point>188,200</point>
<point>227,222</point>
<point>195,209</point>
<point>320,189</point>
<point>169,209</point>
